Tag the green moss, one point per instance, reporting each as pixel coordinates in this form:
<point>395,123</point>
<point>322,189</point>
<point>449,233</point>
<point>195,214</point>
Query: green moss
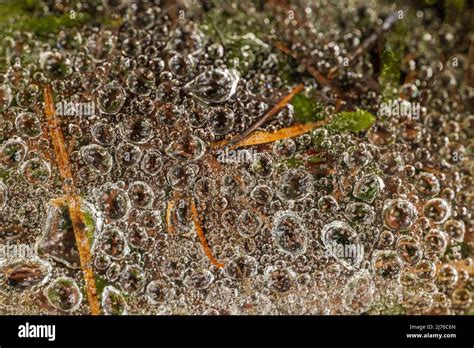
<point>352,121</point>
<point>306,109</point>
<point>90,226</point>
<point>465,249</point>
<point>27,15</point>
<point>391,59</point>
<point>294,162</point>
<point>315,159</point>
<point>395,310</point>
<point>455,5</point>
<point>100,284</point>
<point>40,174</point>
<point>240,35</point>
<point>32,16</point>
<point>4,174</point>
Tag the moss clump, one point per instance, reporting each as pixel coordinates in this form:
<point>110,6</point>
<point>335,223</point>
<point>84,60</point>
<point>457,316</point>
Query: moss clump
<point>90,226</point>
<point>352,121</point>
<point>100,284</point>
<point>391,60</point>
<point>307,109</point>
<point>241,35</point>
<point>28,15</point>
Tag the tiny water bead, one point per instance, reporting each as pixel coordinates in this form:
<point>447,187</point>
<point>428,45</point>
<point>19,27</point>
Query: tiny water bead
<point>455,229</point>
<point>156,292</point>
<point>188,148</point>
<point>114,202</point>
<point>249,223</point>
<point>428,185</point>
<point>221,120</point>
<point>359,292</point>
<point>437,210</point>
<point>141,194</point>
<point>113,302</point>
<point>55,65</point>
<point>114,243</point>
<point>28,125</point>
<point>242,267</point>
<point>295,185</point>
<point>141,81</point>
<point>12,153</point>
<point>409,250</point>
<point>3,195</point>
<point>111,98</point>
<point>342,243</point>
<point>98,158</point>
<point>360,213</point>
<point>137,130</point>
<point>152,162</point>
<point>386,264</point>
<point>103,133</point>
<point>399,214</point>
<point>368,188</point>
<point>6,97</point>
<point>289,233</point>
<point>64,294</point>
<point>36,171</point>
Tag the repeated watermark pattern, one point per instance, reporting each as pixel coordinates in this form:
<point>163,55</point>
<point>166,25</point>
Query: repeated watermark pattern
<point>14,251</point>
<point>400,108</point>
<point>65,108</point>
<point>236,156</point>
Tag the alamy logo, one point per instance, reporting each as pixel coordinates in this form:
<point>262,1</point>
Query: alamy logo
<point>75,109</point>
<point>236,156</point>
<point>400,108</point>
<point>346,251</point>
<point>37,331</point>
<point>13,251</point>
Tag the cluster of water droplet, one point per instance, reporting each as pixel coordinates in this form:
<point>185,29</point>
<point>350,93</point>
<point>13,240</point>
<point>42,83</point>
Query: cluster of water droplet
<point>164,92</point>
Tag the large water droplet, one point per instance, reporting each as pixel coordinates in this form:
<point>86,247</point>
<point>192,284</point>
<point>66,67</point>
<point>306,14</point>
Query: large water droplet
<point>289,233</point>
<point>358,292</point>
<point>342,243</point>
<point>188,148</point>
<point>64,294</point>
<point>214,86</point>
<point>399,214</point>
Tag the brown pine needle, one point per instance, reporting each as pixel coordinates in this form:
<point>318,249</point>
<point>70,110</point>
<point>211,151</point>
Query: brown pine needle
<point>469,77</point>
<point>368,43</point>
<point>281,104</point>
<point>323,81</point>
<point>169,225</point>
<point>202,238</point>
<point>74,206</point>
<point>258,138</point>
<point>318,76</point>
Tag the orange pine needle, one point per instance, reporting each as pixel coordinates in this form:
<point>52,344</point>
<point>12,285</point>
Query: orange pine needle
<point>258,138</point>
<point>202,238</point>
<point>169,225</point>
<point>281,104</point>
<point>74,206</point>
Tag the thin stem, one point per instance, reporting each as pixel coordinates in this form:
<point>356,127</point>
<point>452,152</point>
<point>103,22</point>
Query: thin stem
<point>281,104</point>
<point>73,201</point>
